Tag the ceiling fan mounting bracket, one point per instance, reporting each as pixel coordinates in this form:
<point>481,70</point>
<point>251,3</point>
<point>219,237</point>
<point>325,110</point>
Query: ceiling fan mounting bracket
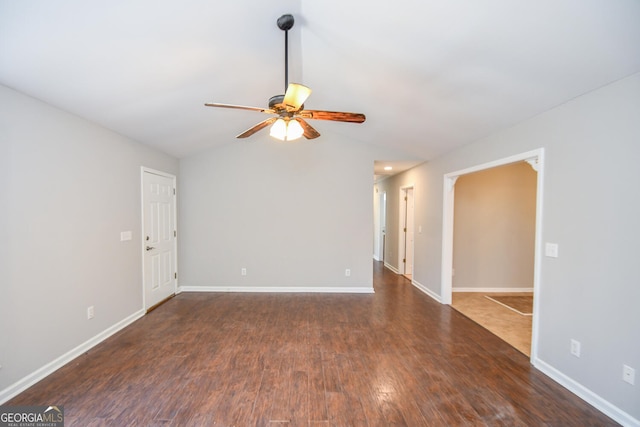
<point>285,22</point>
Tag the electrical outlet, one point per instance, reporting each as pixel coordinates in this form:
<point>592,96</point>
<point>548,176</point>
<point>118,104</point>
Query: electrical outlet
<point>90,313</point>
<point>347,272</point>
<point>243,271</point>
<point>575,348</point>
<point>628,374</point>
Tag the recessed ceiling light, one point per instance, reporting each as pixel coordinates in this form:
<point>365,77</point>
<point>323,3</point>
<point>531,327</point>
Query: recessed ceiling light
<point>388,168</point>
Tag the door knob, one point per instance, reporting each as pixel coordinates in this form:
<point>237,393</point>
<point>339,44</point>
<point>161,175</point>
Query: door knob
<point>150,247</point>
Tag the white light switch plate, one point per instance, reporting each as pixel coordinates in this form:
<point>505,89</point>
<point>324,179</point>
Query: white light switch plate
<point>551,250</point>
<point>125,235</point>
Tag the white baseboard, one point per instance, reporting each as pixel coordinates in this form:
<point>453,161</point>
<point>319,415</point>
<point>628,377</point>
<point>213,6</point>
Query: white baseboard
<point>315,289</point>
<point>489,290</point>
<point>427,291</point>
<point>26,382</point>
<point>392,268</point>
<point>587,395</point>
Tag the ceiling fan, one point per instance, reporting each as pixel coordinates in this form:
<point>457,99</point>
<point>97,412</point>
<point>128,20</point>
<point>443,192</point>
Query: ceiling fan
<point>289,121</point>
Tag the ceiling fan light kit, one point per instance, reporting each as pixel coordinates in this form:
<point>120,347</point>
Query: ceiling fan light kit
<point>289,123</point>
<point>286,130</point>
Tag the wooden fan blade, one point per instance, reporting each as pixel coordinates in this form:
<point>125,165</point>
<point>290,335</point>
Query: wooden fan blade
<point>240,107</point>
<point>309,131</point>
<point>295,96</point>
<point>263,124</point>
<point>332,115</point>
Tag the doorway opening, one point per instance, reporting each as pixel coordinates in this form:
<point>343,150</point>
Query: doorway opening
<point>536,161</point>
<point>493,246</point>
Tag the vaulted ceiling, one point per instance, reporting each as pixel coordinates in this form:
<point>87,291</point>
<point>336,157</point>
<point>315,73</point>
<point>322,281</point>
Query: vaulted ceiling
<point>430,75</point>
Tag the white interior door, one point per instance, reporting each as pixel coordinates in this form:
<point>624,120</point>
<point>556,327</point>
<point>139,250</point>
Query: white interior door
<point>405,244</point>
<point>159,237</point>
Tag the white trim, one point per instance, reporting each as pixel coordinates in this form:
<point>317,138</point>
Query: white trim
<point>446,266</point>
<point>422,288</point>
<point>391,267</point>
<point>587,395</point>
<point>533,162</point>
<point>144,169</point>
<point>537,260</point>
<point>26,382</point>
<point>279,289</point>
<point>492,290</point>
<point>447,230</point>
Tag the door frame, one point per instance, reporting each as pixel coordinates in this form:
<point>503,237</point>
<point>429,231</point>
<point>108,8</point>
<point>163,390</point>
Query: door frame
<point>143,170</point>
<point>402,223</point>
<point>536,159</point>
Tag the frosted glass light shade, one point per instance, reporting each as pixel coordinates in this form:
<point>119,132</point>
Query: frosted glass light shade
<point>294,130</point>
<point>286,130</point>
<point>279,130</point>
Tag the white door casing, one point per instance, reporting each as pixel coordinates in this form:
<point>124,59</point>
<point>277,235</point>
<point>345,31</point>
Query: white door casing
<point>158,236</point>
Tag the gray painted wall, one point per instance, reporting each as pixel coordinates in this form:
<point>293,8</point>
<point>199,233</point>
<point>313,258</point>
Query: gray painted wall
<point>494,228</point>
<point>293,215</point>
<point>69,188</point>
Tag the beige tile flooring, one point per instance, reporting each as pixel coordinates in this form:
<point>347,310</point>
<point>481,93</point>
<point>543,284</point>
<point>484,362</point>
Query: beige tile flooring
<point>512,327</point>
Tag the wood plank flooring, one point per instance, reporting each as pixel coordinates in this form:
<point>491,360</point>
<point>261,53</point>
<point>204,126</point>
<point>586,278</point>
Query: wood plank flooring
<point>393,358</point>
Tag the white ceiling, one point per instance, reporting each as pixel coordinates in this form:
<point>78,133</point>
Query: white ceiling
<point>430,75</point>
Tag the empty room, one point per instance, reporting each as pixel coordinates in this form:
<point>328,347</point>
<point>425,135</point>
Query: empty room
<point>249,213</point>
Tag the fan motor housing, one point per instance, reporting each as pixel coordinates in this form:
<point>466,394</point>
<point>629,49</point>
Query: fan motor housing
<point>275,102</point>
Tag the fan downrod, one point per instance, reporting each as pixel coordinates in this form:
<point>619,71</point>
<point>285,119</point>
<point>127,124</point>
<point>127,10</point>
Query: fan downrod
<point>285,23</point>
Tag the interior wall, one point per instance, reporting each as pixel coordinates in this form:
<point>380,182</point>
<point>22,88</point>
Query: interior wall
<point>70,188</point>
<point>494,228</point>
<point>294,215</point>
<point>590,209</point>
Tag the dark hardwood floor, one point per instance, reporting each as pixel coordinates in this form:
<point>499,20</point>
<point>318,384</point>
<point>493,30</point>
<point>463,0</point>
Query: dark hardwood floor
<point>395,357</point>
